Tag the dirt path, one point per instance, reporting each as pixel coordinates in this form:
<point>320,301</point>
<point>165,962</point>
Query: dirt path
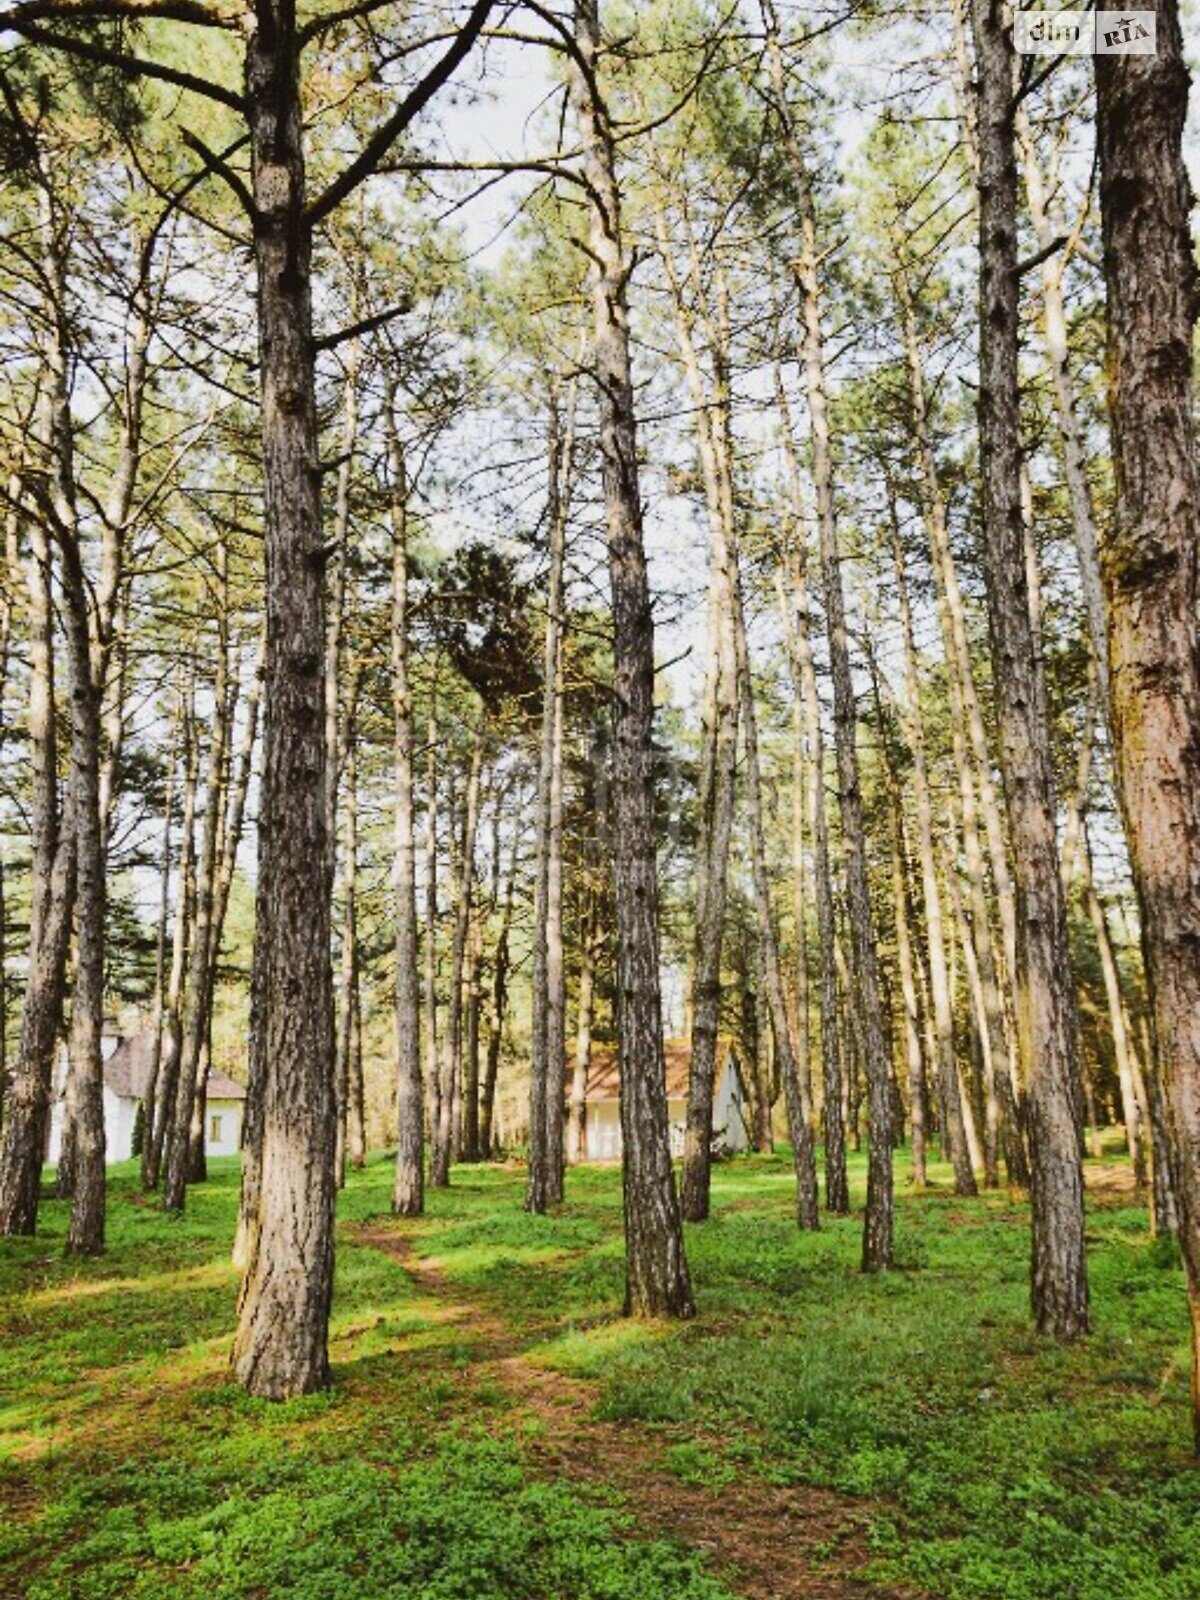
<point>767,1543</point>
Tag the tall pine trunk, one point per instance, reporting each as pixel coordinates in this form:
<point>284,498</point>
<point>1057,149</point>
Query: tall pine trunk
<point>280,1348</point>
<point>1150,562</point>
<point>408,1184</point>
<point>657,1281</point>
<point>1043,980</point>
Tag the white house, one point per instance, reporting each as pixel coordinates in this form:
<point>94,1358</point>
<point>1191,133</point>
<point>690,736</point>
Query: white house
<point>602,1124</point>
<point>126,1071</point>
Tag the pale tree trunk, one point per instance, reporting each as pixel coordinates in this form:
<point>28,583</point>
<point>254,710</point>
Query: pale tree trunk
<point>1047,231</point>
<point>657,1281</point>
<point>83,1130</point>
<point>718,769</point>
<point>179,734</point>
<point>953,1137</point>
<point>280,1348</point>
<point>448,1126</point>
<point>348,974</point>
<point>837,1185</point>
<point>878,1224</point>
<point>588,945</point>
<point>185,902</point>
<point>201,964</point>
<point>913,1052</point>
<point>800,1131</point>
<point>544,1187</point>
<point>1150,564</point>
<point>473,996</point>
<point>408,1184</point>
<point>972,759</point>
<point>501,961</point>
<point>1043,979</point>
<point>85,1235</point>
<point>429,998</point>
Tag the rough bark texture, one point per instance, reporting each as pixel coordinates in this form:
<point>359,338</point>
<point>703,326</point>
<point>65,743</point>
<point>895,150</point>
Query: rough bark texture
<point>202,962</point>
<point>837,1183</point>
<point>185,895</point>
<point>656,1270</point>
<point>718,770</point>
<point>953,1136</point>
<point>408,1187</point>
<point>1150,564</point>
<point>1043,980</point>
<point>283,1314</point>
<point>449,1109</point>
<point>53,874</point>
<point>548,1031</point>
<point>878,1223</point>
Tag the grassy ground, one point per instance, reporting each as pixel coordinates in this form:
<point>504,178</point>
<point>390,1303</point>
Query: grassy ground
<point>985,1463</point>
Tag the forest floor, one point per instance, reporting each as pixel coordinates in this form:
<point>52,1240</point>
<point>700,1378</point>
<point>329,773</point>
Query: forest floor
<point>497,1432</point>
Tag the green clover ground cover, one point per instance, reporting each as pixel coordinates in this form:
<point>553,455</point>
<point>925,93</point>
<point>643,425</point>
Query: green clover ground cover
<point>994,1465</point>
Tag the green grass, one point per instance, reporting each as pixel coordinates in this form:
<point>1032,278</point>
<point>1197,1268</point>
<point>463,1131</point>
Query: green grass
<point>994,1465</point>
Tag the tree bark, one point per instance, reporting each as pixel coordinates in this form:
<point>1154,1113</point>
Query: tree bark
<point>202,962</point>
<point>837,1184</point>
<point>878,1223</point>
<point>544,1187</point>
<point>1043,984</point>
<point>280,1348</point>
<point>53,882</point>
<point>1150,561</point>
<point>408,1184</point>
<point>657,1281</point>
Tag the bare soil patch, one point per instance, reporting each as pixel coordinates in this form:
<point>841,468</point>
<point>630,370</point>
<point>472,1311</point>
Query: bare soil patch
<point>766,1542</point>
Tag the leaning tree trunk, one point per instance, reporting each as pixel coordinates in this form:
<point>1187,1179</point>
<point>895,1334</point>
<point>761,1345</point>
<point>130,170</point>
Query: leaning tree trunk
<point>280,1348</point>
<point>1150,563</point>
<point>408,1185</point>
<point>656,1269</point>
<point>1043,979</point>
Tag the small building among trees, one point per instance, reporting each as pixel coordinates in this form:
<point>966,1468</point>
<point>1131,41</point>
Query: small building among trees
<point>602,1122</point>
<point>126,1071</point>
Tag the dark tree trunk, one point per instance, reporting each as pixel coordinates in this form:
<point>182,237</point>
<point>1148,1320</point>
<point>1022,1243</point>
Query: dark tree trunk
<point>1043,979</point>
<point>53,879</point>
<point>280,1348</point>
<point>657,1281</point>
<point>1150,564</point>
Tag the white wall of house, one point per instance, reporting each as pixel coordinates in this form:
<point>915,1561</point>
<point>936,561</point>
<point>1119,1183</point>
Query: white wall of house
<point>729,1112</point>
<point>223,1128</point>
<point>603,1142</point>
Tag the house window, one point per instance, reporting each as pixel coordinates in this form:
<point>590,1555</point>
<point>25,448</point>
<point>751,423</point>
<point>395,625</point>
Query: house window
<point>214,1130</point>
